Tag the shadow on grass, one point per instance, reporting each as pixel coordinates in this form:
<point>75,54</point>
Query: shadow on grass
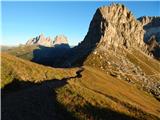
<point>28,101</point>
<point>98,113</point>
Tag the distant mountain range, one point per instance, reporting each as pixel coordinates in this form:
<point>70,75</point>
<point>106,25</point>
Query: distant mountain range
<point>47,41</point>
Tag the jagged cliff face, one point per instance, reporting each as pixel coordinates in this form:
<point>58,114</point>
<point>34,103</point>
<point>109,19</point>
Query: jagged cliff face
<point>114,26</point>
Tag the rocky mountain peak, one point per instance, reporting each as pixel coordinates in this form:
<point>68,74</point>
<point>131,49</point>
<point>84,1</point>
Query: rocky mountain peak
<point>114,26</point>
<point>40,40</point>
<point>116,13</point>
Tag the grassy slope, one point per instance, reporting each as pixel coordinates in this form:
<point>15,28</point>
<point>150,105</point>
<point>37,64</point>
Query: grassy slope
<point>149,65</point>
<point>25,52</point>
<point>100,96</point>
<point>16,68</point>
<point>139,69</point>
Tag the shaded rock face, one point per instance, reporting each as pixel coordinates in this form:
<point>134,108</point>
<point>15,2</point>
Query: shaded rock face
<point>40,40</point>
<point>51,56</point>
<point>151,25</point>
<point>154,47</point>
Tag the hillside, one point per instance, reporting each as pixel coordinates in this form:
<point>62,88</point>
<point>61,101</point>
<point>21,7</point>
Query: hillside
<point>99,96</point>
<point>19,69</point>
<point>91,94</point>
<point>132,66</point>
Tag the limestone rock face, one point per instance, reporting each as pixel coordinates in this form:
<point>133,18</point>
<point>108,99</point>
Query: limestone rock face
<point>114,26</point>
<point>40,40</point>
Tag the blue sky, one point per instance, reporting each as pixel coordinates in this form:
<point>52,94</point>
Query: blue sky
<point>24,20</point>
